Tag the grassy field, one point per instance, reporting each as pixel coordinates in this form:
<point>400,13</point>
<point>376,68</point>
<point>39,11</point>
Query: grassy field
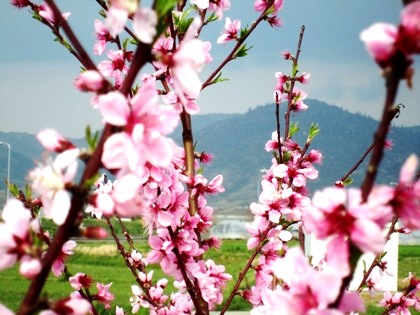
<point>103,263</point>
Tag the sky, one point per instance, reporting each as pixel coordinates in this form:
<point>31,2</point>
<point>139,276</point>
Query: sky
<point>36,74</point>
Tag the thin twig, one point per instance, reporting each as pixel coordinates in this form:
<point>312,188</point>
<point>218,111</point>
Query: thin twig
<point>376,259</point>
<point>239,43</point>
<point>244,271</point>
<point>292,84</point>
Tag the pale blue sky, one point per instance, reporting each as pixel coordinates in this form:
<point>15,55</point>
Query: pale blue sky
<point>36,74</point>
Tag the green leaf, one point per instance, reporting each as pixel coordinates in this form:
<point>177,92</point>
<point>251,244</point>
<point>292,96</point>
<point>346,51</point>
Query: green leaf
<point>348,181</point>
<point>218,79</point>
<point>242,51</point>
<point>244,32</point>
<point>14,190</point>
<point>28,192</point>
<point>102,13</point>
<point>183,21</point>
<point>213,17</point>
<point>91,181</point>
<point>163,7</point>
<point>295,69</point>
<point>293,129</point>
<point>313,131</point>
<point>91,138</point>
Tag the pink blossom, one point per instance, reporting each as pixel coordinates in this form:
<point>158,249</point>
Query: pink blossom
<point>104,296</point>
<point>407,194</point>
<point>90,81</point>
<point>124,198</point>
<point>230,31</point>
<point>337,212</point>
<point>115,20</point>
<point>190,106</point>
<point>263,5</point>
<point>218,6</point>
<point>102,37</point>
<point>53,141</point>
<point>116,65</point>
<point>46,13</point>
<point>163,45</point>
<point>5,311</point>
<point>119,310</point>
<point>144,24</point>
<point>306,290</point>
<point>59,263</point>
<point>380,41</point>
<point>399,303</point>
<point>50,181</point>
<point>15,239</point>
<point>188,61</point>
<point>274,21</point>
<point>409,31</point>
<point>304,78</point>
<point>142,139</point>
<point>80,280</point>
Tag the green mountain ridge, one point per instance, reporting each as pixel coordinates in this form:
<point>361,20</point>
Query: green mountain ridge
<point>237,141</point>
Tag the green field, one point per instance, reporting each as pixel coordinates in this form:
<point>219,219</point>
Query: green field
<point>101,261</point>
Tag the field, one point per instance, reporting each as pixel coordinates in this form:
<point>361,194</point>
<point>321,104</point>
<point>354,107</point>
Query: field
<point>102,262</point>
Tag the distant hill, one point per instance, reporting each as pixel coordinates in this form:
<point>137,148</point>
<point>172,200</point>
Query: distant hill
<point>237,141</point>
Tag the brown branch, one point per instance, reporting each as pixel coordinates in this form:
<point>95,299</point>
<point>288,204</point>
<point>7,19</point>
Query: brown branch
<point>357,164</point>
<point>394,74</point>
<point>201,306</point>
<point>87,61</point>
<point>278,127</point>
<point>127,235</point>
<point>130,266</point>
<point>292,84</point>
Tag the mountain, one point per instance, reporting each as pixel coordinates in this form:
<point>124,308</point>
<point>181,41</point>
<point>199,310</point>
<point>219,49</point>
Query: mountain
<point>237,141</point>
<point>238,145</point>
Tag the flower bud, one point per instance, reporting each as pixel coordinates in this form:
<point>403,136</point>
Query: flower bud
<point>90,81</point>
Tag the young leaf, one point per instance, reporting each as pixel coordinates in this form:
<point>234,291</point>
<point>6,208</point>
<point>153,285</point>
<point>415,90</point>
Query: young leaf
<point>348,181</point>
<point>213,17</point>
<point>242,51</point>
<point>218,79</point>
<point>294,127</point>
<point>313,131</point>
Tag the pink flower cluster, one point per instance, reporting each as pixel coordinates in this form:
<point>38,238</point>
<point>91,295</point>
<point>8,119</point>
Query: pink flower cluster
<point>400,302</point>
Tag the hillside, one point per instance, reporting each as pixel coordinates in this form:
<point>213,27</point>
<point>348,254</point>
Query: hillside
<point>237,141</point>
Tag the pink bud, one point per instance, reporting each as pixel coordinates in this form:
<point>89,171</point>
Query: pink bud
<point>29,267</point>
<point>20,3</point>
<point>90,81</point>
